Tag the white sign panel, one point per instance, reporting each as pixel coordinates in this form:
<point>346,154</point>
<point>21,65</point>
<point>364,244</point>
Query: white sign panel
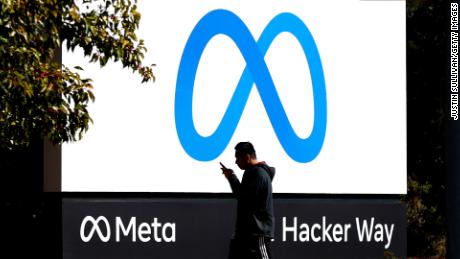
<point>319,88</point>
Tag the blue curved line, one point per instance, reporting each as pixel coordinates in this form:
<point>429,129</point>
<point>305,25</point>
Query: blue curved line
<point>205,148</point>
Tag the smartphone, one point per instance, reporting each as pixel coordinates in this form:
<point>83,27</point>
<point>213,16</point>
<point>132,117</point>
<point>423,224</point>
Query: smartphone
<point>223,166</point>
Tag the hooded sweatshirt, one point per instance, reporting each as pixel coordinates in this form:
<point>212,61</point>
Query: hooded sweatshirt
<point>254,215</point>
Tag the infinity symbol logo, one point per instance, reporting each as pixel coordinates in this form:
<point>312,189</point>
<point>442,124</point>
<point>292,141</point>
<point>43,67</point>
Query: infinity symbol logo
<point>205,148</point>
<point>94,229</point>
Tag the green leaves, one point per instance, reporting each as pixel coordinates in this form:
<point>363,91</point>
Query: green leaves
<point>106,30</point>
<point>39,97</point>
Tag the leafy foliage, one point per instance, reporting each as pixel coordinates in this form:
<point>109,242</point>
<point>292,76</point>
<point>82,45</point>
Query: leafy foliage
<point>427,118</point>
<point>38,96</point>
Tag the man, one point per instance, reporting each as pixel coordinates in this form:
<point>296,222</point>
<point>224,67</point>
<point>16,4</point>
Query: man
<point>254,228</point>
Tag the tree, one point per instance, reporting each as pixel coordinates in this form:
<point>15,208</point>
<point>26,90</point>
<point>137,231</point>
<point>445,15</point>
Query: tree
<point>427,117</point>
<point>40,98</point>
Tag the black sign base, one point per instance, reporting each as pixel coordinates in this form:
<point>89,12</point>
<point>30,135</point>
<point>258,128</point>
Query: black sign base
<point>201,227</point>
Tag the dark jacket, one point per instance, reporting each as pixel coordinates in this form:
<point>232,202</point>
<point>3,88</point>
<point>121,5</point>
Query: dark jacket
<point>254,215</point>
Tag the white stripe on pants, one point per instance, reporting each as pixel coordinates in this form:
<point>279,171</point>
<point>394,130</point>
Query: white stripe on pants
<point>263,249</point>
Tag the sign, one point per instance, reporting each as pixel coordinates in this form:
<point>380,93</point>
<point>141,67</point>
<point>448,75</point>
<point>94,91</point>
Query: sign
<point>319,88</point>
<point>202,228</point>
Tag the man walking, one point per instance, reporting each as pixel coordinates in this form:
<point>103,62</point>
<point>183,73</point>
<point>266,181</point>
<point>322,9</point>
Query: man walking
<point>254,228</point>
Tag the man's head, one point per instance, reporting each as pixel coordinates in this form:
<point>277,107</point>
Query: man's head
<point>245,155</point>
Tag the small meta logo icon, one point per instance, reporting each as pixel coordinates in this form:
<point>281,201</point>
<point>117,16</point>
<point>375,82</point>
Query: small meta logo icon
<point>206,148</point>
<point>95,229</point>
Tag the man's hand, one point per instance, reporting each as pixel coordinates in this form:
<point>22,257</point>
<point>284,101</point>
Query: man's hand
<point>226,171</point>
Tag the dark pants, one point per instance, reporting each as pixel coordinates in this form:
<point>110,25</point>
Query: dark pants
<point>250,248</point>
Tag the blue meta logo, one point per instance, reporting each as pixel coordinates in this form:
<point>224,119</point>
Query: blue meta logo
<point>206,148</point>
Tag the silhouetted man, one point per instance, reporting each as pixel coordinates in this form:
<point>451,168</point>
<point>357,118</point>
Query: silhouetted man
<point>254,228</point>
